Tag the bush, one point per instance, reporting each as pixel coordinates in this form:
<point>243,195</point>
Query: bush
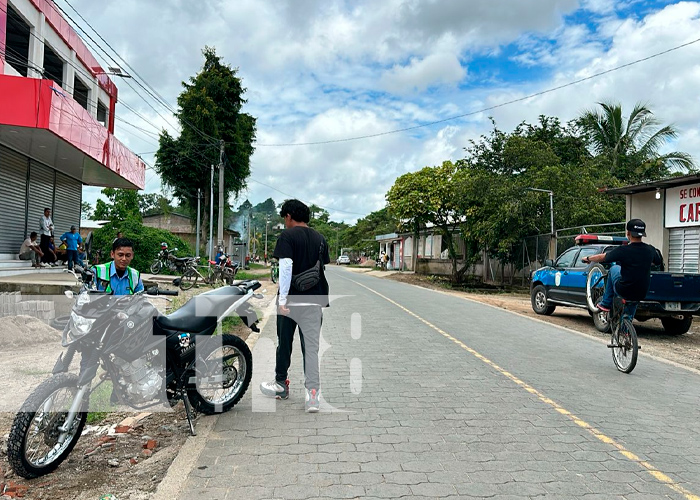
<point>146,241</point>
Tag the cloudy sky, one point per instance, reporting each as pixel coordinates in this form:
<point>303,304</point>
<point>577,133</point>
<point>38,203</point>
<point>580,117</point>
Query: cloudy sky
<point>320,70</point>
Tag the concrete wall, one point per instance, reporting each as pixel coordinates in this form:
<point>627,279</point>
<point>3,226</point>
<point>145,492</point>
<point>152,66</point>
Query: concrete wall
<point>645,206</point>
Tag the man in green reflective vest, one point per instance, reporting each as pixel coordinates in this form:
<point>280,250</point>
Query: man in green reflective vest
<point>117,277</point>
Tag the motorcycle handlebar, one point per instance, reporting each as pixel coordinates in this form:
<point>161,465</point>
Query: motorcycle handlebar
<point>154,290</point>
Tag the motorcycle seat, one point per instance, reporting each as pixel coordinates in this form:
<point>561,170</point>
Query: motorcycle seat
<point>202,311</point>
<point>181,259</point>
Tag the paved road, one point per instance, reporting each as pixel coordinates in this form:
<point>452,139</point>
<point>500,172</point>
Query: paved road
<point>430,395</point>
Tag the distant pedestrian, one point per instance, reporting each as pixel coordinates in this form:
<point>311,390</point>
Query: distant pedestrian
<point>72,239</point>
<point>119,236</point>
<point>51,257</point>
<point>30,250</point>
<point>46,231</point>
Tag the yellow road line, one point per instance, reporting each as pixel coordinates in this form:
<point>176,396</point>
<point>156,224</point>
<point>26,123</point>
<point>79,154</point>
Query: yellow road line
<point>653,471</point>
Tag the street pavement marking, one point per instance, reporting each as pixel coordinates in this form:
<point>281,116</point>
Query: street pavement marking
<point>653,471</point>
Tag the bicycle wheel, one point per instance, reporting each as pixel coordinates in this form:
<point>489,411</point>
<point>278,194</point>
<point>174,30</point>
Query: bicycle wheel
<point>274,273</point>
<point>189,278</point>
<point>625,347</point>
<point>595,286</point>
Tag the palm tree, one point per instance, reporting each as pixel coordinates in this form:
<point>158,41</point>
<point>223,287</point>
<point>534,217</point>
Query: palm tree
<point>632,147</point>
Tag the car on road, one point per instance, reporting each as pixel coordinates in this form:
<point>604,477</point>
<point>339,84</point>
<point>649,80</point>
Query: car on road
<point>672,297</point>
<point>343,259</point>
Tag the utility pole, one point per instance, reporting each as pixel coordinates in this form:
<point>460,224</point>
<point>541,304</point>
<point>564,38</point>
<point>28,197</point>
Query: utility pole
<point>267,221</point>
<point>211,215</point>
<point>199,202</point>
<point>220,227</point>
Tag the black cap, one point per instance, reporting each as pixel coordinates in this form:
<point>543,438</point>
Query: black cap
<point>637,228</point>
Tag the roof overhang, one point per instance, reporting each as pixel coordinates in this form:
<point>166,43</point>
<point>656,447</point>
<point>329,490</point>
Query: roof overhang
<point>670,182</point>
<point>38,120</point>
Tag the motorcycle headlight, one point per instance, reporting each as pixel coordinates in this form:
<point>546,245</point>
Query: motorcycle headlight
<point>80,324</point>
<point>83,299</point>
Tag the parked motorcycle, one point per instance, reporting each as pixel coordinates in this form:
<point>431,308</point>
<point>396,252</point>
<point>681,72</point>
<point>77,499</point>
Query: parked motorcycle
<point>151,359</point>
<point>167,260</point>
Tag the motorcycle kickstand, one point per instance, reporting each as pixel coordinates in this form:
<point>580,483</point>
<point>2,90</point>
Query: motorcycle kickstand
<point>191,415</point>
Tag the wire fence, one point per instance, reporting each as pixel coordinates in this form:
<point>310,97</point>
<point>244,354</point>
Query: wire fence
<point>536,249</point>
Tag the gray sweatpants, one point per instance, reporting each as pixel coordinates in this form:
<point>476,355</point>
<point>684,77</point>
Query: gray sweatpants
<point>30,255</point>
<point>309,320</point>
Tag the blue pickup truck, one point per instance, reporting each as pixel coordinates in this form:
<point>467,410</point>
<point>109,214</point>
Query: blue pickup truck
<point>672,297</point>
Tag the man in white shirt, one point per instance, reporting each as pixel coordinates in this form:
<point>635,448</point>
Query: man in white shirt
<point>46,231</point>
<point>31,251</point>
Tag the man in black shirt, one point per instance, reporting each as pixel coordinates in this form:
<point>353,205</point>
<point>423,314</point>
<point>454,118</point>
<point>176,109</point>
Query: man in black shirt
<point>298,249</point>
<point>630,277</point>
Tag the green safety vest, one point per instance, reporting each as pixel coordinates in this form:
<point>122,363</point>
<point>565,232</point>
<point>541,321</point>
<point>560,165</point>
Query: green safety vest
<point>102,272</point>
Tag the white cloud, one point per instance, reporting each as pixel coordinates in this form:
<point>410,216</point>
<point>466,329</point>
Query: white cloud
<point>320,71</point>
<point>421,74</point>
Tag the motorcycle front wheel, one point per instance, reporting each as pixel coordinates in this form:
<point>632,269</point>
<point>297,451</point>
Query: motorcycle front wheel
<point>33,447</point>
<point>156,267</point>
<point>224,370</point>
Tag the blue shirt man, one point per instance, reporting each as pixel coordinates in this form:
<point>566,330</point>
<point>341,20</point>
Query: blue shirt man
<point>71,239</point>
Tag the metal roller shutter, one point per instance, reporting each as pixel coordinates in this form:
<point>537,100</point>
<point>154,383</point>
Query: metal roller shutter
<point>69,193</point>
<point>684,249</point>
<point>13,196</point>
<point>41,182</point>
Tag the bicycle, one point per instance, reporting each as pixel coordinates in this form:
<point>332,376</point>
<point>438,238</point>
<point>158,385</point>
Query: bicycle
<point>274,271</point>
<point>623,338</point>
<point>215,276</point>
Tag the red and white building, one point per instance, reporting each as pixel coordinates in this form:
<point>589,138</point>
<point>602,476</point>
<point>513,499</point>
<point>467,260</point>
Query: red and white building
<point>56,123</point>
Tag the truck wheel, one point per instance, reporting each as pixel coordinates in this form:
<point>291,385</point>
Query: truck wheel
<point>677,326</point>
<point>539,301</point>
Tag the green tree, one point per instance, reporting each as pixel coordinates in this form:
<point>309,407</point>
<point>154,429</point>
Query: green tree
<point>630,147</point>
<point>121,204</point>
<point>85,210</point>
<point>154,203</point>
<point>209,111</point>
<point>428,197</point>
<point>361,236</point>
<point>146,242</point>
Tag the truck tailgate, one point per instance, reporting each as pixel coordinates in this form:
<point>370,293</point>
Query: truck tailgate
<point>674,287</point>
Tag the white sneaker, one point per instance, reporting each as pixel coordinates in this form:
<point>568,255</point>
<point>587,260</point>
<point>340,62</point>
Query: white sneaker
<point>312,405</point>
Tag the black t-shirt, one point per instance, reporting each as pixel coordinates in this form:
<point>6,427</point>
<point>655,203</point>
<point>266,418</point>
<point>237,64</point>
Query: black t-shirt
<point>302,244</point>
<point>635,261</point>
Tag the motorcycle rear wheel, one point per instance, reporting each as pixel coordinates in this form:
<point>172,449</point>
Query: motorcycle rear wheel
<point>236,360</point>
<point>34,427</point>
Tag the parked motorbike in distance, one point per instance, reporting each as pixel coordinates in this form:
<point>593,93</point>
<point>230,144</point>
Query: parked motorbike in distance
<point>167,260</point>
<point>150,359</point>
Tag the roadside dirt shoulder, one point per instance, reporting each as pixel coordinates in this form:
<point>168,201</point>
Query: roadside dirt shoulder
<point>683,349</point>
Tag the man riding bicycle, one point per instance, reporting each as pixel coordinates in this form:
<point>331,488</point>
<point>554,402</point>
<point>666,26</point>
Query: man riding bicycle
<point>630,277</point>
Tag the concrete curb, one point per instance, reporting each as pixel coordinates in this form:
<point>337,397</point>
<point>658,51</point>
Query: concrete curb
<point>186,459</point>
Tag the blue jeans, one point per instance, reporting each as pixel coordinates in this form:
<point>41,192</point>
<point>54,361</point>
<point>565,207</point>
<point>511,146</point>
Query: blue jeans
<point>72,256</point>
<point>611,292</point>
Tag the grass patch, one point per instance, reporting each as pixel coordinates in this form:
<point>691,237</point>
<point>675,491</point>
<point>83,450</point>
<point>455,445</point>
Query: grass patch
<point>100,398</point>
<point>242,275</point>
<point>256,266</point>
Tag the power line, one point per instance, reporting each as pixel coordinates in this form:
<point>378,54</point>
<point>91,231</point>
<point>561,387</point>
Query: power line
<point>159,99</point>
